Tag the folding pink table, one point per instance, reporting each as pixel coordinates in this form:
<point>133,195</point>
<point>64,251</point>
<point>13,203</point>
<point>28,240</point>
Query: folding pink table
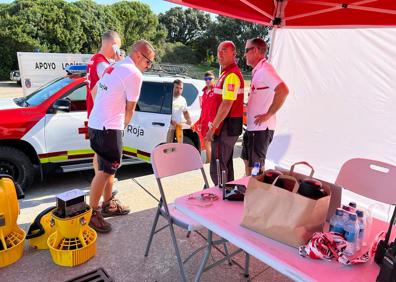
<point>223,218</point>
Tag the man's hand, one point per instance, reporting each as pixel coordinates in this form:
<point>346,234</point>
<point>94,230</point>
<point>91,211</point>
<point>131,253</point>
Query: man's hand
<point>259,119</point>
<point>174,123</point>
<point>280,95</point>
<point>117,57</point>
<point>209,135</point>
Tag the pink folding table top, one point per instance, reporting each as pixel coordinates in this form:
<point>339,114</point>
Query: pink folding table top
<point>224,217</point>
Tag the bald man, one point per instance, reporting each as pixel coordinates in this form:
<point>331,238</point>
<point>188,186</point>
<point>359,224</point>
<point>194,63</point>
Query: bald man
<point>225,125</point>
<point>115,98</point>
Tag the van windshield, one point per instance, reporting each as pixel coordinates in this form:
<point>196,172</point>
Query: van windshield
<point>45,92</point>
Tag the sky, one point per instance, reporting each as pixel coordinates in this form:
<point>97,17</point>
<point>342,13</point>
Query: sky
<point>157,6</point>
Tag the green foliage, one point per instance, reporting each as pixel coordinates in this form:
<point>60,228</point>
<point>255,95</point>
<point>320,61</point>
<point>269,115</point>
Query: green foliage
<point>196,29</point>
<point>179,35</point>
<point>229,29</point>
<point>184,25</point>
<point>76,27</point>
<point>137,21</point>
<point>178,53</point>
<point>94,19</point>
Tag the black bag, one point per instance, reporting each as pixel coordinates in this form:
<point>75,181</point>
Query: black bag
<point>234,192</point>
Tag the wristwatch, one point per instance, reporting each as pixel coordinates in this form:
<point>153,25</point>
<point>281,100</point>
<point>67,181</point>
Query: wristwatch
<point>211,125</point>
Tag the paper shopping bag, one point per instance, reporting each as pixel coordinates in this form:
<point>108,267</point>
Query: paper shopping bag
<point>283,215</point>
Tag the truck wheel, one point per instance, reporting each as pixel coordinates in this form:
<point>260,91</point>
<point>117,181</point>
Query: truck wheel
<point>15,163</point>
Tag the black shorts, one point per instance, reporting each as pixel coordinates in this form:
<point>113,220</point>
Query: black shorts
<point>255,145</point>
<point>107,144</point>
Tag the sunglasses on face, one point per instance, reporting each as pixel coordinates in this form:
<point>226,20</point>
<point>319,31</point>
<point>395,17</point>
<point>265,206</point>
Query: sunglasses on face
<point>248,49</point>
<point>208,78</point>
<point>148,61</point>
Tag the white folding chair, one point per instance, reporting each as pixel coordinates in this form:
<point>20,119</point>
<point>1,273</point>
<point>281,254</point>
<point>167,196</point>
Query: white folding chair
<point>168,160</point>
<point>372,179</point>
<point>375,180</point>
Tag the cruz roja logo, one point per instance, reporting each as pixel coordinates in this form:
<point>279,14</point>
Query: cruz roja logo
<point>102,86</point>
<point>137,131</point>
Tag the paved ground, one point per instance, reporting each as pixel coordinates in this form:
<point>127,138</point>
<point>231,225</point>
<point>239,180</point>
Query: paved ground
<point>120,253</point>
<point>10,89</point>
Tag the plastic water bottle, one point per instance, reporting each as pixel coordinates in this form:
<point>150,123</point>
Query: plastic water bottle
<point>347,211</point>
<point>256,169</point>
<point>352,206</point>
<point>351,228</point>
<point>362,227</point>
<point>337,222</point>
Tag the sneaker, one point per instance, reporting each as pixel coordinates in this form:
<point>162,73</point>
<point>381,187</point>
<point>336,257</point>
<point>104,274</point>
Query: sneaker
<point>98,223</point>
<point>113,207</point>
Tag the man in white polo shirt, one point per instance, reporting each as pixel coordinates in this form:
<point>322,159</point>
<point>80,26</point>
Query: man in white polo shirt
<point>267,94</point>
<point>179,108</point>
<point>117,93</point>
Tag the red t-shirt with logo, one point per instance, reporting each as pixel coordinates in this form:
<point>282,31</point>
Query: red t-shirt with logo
<point>93,78</point>
<point>207,112</point>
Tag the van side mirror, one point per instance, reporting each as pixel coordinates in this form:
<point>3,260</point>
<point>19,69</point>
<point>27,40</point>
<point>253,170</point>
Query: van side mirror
<point>62,105</point>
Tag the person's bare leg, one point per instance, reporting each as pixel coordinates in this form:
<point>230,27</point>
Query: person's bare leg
<point>95,163</point>
<point>97,187</point>
<point>248,170</point>
<point>208,147</point>
<point>108,190</point>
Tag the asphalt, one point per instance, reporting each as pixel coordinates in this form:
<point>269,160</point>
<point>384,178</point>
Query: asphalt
<point>121,252</point>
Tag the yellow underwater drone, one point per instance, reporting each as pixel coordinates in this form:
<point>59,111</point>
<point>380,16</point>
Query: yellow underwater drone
<point>12,237</point>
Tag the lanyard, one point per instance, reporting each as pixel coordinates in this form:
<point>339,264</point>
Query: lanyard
<point>329,245</point>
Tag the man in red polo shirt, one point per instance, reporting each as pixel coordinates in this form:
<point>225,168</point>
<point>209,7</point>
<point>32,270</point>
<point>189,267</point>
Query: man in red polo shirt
<point>225,126</point>
<point>111,42</point>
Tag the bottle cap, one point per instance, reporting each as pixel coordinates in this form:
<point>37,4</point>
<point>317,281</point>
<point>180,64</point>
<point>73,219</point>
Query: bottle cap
<point>352,204</point>
<point>359,213</point>
<point>346,208</point>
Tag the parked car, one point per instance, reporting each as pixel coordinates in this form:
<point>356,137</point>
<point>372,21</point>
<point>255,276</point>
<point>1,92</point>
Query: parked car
<point>15,76</point>
<point>47,130</point>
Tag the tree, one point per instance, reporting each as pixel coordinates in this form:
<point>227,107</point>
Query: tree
<point>229,29</point>
<point>184,25</point>
<point>137,21</point>
<point>178,53</point>
<point>27,25</point>
<point>94,20</point>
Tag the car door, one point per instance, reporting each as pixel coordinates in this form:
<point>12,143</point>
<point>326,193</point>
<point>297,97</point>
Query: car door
<point>66,132</point>
<point>151,120</point>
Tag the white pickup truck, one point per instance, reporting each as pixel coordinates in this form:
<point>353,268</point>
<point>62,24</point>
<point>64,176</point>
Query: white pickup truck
<point>47,129</point>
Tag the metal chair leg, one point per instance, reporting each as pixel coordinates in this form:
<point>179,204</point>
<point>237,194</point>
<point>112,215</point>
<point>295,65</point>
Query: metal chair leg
<point>247,263</point>
<point>179,261</point>
<point>152,232</point>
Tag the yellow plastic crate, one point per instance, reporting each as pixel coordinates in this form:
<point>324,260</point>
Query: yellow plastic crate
<point>72,251</point>
<point>11,246</point>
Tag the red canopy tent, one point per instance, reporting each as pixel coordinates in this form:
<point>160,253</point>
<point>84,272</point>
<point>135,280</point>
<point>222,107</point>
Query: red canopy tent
<point>302,13</point>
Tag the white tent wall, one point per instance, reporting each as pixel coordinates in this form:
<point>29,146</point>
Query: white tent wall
<point>342,101</point>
